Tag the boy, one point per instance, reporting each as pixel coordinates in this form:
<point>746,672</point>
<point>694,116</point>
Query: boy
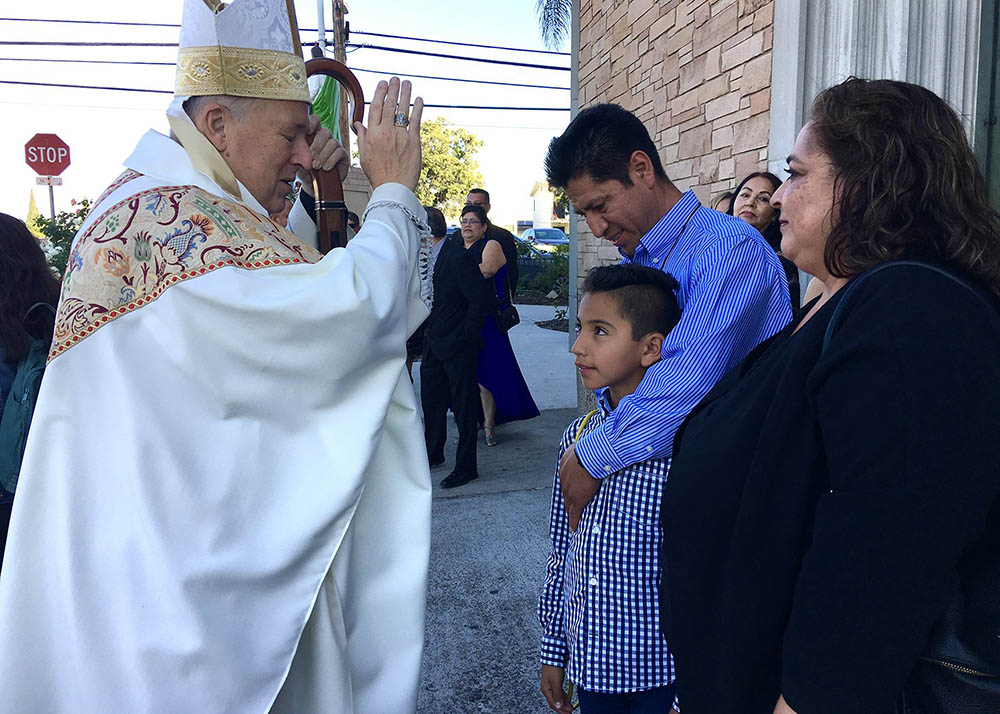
<point>599,607</point>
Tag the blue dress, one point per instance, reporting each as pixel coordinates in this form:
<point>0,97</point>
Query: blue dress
<point>498,370</point>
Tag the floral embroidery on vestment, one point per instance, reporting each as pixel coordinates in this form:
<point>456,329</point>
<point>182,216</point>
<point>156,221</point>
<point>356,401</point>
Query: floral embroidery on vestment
<point>157,238</point>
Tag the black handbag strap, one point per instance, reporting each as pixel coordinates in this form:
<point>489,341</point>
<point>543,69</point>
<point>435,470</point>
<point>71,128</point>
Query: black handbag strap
<point>506,284</point>
<point>851,286</point>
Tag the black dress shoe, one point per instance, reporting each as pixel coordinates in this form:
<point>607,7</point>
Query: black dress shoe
<point>435,462</point>
<point>455,479</point>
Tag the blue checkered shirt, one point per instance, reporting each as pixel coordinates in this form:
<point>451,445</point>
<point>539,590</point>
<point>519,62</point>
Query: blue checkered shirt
<point>733,296</point>
<point>599,608</point>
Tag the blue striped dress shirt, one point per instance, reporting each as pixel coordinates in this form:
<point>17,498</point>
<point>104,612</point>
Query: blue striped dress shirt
<point>599,607</point>
<point>733,296</point>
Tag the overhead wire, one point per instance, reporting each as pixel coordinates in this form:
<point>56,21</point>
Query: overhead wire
<point>382,48</point>
<point>167,91</point>
<point>301,29</point>
<point>355,69</point>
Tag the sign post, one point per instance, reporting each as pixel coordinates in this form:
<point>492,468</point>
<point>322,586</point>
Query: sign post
<point>48,155</point>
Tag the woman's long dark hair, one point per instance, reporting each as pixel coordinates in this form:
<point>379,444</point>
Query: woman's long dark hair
<point>25,281</point>
<point>907,182</point>
<point>772,231</point>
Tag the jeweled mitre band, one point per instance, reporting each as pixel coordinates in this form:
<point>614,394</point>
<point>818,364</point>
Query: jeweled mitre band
<point>241,72</point>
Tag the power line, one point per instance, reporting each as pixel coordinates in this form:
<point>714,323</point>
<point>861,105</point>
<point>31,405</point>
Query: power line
<point>459,57</point>
<point>167,91</point>
<point>460,79</point>
<point>46,43</point>
<point>85,61</point>
<point>462,44</point>
<point>54,43</point>
<point>90,22</point>
<point>355,69</point>
<point>301,29</point>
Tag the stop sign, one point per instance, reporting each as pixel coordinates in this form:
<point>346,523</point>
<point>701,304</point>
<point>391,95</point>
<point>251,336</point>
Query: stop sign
<point>47,154</point>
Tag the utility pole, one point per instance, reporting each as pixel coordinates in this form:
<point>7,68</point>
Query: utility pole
<point>321,22</point>
<point>340,54</point>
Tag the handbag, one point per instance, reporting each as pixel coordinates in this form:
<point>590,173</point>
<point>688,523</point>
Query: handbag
<point>506,313</point>
<point>955,673</point>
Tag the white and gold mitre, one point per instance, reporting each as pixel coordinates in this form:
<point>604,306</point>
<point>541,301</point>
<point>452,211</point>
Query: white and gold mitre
<point>246,48</point>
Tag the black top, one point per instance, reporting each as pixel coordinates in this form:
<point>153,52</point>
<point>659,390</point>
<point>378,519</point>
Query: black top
<point>506,240</point>
<point>821,510</point>
<point>462,297</point>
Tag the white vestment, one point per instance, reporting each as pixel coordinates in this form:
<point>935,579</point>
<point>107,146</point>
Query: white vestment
<point>224,505</point>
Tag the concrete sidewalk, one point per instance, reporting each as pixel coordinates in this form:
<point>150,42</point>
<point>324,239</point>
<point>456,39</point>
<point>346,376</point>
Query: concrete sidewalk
<point>489,544</point>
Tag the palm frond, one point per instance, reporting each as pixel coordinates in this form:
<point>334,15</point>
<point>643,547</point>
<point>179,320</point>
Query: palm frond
<point>554,20</point>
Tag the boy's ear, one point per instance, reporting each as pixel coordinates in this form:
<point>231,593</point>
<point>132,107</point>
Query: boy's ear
<point>652,345</point>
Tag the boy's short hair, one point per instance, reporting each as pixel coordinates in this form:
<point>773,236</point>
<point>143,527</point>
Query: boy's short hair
<point>645,296</point>
<point>598,143</point>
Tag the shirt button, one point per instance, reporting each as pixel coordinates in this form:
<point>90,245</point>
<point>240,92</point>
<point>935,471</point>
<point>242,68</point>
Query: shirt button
<point>649,449</point>
<point>596,530</point>
<point>593,581</point>
<point>607,469</point>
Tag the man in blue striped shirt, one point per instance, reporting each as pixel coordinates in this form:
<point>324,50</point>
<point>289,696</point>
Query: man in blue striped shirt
<point>733,291</point>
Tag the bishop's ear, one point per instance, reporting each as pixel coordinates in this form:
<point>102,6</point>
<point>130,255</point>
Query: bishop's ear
<point>213,122</point>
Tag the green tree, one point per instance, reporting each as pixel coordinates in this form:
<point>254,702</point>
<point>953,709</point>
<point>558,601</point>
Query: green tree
<point>60,232</point>
<point>560,206</point>
<point>450,167</point>
<point>31,221</point>
<point>554,20</point>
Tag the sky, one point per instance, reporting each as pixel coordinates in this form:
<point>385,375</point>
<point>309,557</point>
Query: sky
<point>101,127</point>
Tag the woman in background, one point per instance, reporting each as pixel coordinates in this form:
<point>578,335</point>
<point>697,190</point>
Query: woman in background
<point>502,389</point>
<point>29,293</point>
<point>752,202</point>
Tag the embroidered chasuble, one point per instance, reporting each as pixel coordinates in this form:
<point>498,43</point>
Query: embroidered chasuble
<point>225,503</point>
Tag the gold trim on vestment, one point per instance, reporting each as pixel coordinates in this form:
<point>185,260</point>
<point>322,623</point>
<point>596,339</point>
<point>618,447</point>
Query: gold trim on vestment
<point>240,72</point>
<point>154,239</point>
<point>204,156</point>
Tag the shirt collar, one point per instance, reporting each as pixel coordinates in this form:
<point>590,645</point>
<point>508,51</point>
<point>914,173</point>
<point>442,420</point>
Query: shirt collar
<point>659,239</point>
<point>604,401</point>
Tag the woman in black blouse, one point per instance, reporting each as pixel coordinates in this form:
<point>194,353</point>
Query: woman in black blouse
<point>828,505</point>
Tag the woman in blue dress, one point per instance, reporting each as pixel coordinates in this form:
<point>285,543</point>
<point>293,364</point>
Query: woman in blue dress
<point>502,388</point>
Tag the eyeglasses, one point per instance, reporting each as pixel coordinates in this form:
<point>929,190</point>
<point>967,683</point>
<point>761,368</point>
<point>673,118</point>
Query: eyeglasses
<point>471,222</point>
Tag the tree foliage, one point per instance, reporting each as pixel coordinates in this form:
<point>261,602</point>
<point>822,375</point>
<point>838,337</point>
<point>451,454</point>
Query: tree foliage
<point>60,232</point>
<point>560,206</point>
<point>555,19</point>
<point>450,167</point>
<point>32,217</point>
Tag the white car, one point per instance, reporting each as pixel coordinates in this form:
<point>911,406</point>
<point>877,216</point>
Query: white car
<point>545,239</point>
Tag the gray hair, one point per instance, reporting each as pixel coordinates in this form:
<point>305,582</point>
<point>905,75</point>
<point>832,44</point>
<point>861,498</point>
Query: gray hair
<point>239,107</point>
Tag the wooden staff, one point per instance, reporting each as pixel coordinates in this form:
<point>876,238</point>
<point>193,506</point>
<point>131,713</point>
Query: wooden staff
<point>331,211</point>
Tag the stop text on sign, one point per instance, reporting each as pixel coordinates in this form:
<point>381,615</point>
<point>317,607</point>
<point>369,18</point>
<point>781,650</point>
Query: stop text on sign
<point>47,154</point>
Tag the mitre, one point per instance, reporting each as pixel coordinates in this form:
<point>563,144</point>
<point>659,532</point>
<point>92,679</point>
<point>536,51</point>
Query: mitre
<point>246,48</point>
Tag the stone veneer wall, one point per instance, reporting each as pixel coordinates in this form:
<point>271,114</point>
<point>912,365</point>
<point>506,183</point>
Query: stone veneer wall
<point>697,73</point>
<point>357,190</point>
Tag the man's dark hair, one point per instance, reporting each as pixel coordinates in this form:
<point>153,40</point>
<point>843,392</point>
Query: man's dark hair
<point>645,296</point>
<point>353,220</point>
<point>477,210</point>
<point>482,191</point>
<point>599,143</point>
<point>436,222</point>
